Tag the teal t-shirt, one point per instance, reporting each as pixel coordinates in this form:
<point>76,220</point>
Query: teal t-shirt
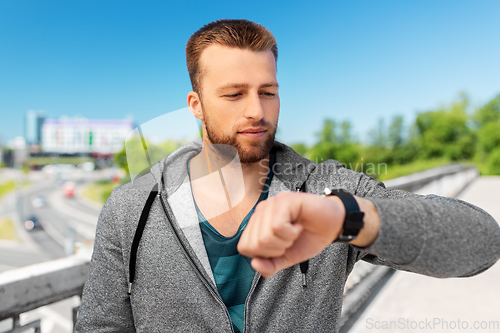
<point>232,272</point>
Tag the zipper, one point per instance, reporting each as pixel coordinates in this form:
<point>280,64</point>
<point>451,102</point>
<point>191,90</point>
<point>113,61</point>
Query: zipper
<point>247,301</point>
<point>200,275</point>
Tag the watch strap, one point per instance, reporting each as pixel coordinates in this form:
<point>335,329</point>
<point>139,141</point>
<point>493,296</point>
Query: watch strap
<point>353,221</point>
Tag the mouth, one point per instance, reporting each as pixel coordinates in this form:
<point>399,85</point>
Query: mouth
<point>253,132</point>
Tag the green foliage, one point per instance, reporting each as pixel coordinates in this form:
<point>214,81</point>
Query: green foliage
<point>378,136</point>
<point>142,158</point>
<point>494,162</point>
<point>397,170</point>
<point>439,136</point>
<point>99,191</point>
<point>487,123</point>
<point>488,113</point>
<point>445,132</point>
<point>333,145</point>
<point>488,137</point>
<point>300,148</point>
<point>395,138</point>
<point>121,159</point>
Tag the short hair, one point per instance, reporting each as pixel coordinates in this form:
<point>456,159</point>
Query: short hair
<point>241,34</point>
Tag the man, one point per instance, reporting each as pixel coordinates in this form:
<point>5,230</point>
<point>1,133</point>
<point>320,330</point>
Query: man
<point>180,261</point>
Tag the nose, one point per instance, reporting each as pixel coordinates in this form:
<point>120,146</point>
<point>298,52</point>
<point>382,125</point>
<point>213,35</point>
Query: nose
<point>254,108</point>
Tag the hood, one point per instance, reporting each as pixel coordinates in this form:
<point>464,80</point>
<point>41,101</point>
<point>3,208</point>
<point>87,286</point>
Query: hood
<point>171,171</point>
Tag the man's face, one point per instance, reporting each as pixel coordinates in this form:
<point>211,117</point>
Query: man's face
<point>239,99</point>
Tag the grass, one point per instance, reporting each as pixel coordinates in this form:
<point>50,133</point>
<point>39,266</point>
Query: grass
<point>7,230</point>
<point>7,187</point>
<point>395,171</point>
<point>99,192</point>
<point>57,160</point>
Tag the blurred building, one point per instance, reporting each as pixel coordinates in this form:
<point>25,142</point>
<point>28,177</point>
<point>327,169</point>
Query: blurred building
<point>33,127</point>
<point>19,152</point>
<point>84,136</point>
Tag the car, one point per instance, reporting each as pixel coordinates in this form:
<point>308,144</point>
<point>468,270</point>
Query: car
<point>68,189</point>
<point>87,166</point>
<point>33,223</point>
<point>50,169</point>
<point>38,201</point>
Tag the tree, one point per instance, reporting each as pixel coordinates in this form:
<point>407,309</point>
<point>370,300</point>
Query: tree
<point>445,133</point>
<point>141,157</point>
<point>487,121</point>
<point>489,113</point>
<point>331,145</point>
<point>301,149</point>
<point>378,136</point>
<point>395,137</point>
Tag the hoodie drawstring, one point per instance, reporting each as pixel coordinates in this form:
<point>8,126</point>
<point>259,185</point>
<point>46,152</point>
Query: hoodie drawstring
<point>138,235</point>
<point>304,266</point>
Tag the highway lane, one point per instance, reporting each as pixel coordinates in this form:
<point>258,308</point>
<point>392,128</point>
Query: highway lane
<point>35,246</point>
<point>65,221</point>
<point>59,216</point>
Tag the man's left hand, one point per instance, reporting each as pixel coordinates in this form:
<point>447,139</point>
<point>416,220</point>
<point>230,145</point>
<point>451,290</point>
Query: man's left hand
<point>293,227</point>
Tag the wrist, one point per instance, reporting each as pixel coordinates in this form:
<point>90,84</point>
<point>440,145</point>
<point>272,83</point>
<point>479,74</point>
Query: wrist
<point>352,221</point>
<point>336,216</point>
<point>369,233</point>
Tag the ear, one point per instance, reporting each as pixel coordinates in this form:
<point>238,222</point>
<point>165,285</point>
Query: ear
<point>194,104</point>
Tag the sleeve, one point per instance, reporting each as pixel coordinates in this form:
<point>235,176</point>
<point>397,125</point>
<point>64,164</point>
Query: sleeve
<point>427,234</point>
<point>105,304</point>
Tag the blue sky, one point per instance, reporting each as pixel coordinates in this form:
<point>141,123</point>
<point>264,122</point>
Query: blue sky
<point>345,60</point>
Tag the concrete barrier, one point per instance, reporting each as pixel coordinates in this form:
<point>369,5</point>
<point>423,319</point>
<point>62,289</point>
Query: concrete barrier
<point>27,288</point>
<point>449,181</point>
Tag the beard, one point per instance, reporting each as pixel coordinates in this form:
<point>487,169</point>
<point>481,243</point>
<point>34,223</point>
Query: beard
<point>251,152</point>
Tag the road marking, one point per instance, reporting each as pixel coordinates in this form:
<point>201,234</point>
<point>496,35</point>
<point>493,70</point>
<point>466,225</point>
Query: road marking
<point>56,201</point>
<point>54,234</point>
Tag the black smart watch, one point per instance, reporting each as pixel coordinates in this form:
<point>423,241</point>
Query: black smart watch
<point>353,221</point>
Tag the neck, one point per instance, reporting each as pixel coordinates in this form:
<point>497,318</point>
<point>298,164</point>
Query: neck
<point>213,168</point>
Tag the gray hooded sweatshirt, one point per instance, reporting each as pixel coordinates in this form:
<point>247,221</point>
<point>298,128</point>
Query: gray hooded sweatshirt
<point>174,289</point>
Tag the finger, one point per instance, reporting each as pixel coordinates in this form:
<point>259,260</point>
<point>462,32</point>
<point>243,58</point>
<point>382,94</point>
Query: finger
<point>263,209</point>
<point>260,224</point>
<point>287,231</point>
<point>269,235</point>
<point>266,246</point>
<point>246,244</point>
<point>248,240</point>
<point>277,219</point>
<point>273,246</point>
<point>269,267</point>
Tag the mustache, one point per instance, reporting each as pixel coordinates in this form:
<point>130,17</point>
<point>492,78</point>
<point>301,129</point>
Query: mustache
<point>254,124</point>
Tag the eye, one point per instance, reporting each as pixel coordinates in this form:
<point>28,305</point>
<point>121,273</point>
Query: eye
<point>268,94</point>
<point>232,96</point>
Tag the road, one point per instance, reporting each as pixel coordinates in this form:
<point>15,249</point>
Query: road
<point>66,221</point>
